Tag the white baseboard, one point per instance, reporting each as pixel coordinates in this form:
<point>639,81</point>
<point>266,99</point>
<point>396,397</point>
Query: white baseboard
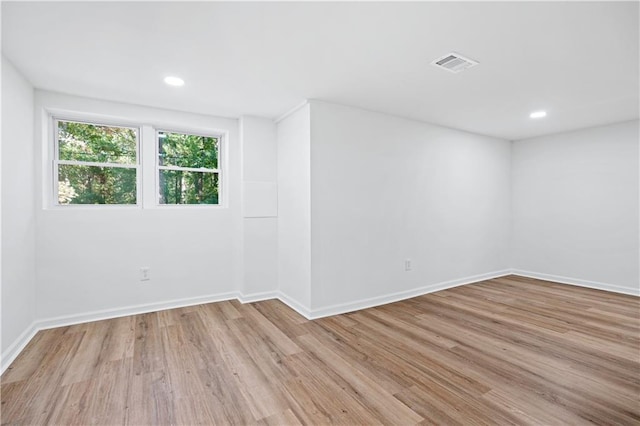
<point>12,352</point>
<point>577,282</point>
<point>19,344</point>
<point>395,297</point>
<point>65,320</point>
<point>257,297</point>
<point>295,305</point>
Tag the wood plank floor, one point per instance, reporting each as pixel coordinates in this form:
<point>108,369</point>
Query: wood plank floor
<point>505,351</point>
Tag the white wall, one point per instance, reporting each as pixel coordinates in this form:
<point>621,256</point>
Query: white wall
<point>260,207</point>
<point>18,198</point>
<point>385,189</point>
<point>323,209</point>
<point>89,258</point>
<point>294,208</point>
<point>575,206</point>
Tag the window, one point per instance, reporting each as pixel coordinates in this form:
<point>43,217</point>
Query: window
<point>188,168</point>
<point>95,163</point>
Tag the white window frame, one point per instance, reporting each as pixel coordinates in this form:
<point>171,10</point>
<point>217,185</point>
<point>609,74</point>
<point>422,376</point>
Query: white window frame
<point>220,170</point>
<point>54,119</point>
<point>147,173</point>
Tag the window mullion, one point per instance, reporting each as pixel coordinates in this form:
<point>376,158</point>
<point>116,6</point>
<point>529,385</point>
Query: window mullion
<point>189,169</point>
<point>148,155</point>
<point>95,164</point>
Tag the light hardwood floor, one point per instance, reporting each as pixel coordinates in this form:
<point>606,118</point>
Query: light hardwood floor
<point>505,351</point>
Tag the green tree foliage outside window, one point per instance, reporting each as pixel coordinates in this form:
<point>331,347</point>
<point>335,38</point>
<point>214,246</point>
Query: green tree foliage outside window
<point>92,164</point>
<point>188,168</point>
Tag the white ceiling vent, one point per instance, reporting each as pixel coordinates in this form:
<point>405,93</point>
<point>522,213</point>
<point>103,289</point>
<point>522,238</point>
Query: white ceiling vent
<point>454,62</point>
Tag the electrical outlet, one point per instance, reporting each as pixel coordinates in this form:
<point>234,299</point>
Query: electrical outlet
<point>145,273</point>
<point>407,264</point>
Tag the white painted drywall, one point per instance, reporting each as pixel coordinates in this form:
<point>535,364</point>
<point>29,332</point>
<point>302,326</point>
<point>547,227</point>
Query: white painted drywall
<point>575,205</point>
<point>18,199</point>
<point>294,207</point>
<point>89,258</point>
<point>260,206</point>
<point>323,208</point>
<point>260,258</point>
<point>385,189</point>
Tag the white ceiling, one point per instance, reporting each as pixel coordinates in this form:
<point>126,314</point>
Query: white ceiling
<point>577,60</point>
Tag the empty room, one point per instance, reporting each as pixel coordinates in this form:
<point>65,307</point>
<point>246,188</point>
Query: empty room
<point>284,213</point>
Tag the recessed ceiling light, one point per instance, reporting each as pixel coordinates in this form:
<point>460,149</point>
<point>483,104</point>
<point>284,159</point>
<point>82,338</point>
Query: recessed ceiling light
<point>538,114</point>
<point>174,81</point>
